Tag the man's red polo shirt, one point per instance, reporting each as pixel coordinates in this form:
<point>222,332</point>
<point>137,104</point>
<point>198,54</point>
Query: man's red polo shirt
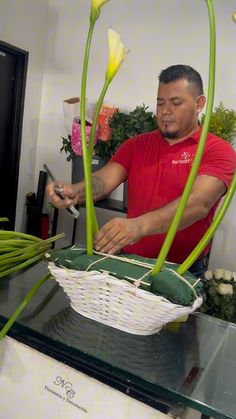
<point>157,174</point>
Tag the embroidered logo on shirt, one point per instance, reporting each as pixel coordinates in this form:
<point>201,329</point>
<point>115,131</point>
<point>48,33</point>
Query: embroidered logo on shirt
<point>184,158</point>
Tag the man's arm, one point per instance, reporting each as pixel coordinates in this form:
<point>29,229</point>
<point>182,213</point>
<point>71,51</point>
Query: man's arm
<point>104,181</point>
<point>120,232</point>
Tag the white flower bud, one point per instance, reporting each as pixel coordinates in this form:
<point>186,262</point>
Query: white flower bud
<point>218,273</point>
<point>227,276</point>
<point>225,289</point>
<point>208,275</point>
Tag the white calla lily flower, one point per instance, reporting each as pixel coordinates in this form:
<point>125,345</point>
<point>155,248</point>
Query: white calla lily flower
<point>117,54</point>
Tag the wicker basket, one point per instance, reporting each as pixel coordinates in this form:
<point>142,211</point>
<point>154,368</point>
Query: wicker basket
<point>117,303</point>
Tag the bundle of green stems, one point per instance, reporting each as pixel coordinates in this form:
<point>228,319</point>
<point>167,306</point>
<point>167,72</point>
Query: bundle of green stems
<point>20,250</point>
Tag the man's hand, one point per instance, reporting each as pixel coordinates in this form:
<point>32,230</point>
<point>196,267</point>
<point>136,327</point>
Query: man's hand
<point>116,234</point>
<point>72,193</point>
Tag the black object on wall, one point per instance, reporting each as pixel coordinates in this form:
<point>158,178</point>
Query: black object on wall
<point>41,189</point>
<point>34,205</point>
<point>13,69</point>
<point>77,173</point>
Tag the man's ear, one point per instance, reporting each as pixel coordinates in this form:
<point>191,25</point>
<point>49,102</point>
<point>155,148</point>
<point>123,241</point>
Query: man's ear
<point>201,101</point>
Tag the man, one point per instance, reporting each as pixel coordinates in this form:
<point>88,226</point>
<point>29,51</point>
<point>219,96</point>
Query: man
<point>157,165</point>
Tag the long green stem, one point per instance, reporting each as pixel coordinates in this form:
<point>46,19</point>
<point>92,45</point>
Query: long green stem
<point>31,246</point>
<point>6,249</point>
<point>91,220</point>
<point>22,305</point>
<point>86,158</point>
<point>5,234</point>
<point>18,252</point>
<point>3,268</point>
<point>22,265</point>
<point>83,89</point>
<point>95,116</point>
<point>19,243</point>
<point>211,230</point>
<point>24,256</point>
<point>192,175</point>
<point>91,146</point>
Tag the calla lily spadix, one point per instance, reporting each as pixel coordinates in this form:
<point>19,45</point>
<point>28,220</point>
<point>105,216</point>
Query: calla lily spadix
<point>117,54</point>
<point>95,8</point>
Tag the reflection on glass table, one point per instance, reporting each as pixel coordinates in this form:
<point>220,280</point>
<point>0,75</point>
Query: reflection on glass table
<point>191,364</point>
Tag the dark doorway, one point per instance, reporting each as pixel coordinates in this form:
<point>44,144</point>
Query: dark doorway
<point>13,69</point>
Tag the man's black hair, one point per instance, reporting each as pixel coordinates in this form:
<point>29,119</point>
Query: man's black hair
<point>182,72</point>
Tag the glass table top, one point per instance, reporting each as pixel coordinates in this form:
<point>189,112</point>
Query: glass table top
<point>192,363</point>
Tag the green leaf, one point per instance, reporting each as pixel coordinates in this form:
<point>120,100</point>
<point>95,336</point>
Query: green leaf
<point>222,122</point>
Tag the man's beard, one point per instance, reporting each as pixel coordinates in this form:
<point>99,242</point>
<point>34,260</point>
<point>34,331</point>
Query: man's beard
<point>171,135</point>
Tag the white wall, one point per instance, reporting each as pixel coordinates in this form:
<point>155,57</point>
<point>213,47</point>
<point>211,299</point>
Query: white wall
<point>23,24</point>
<point>224,241</point>
<point>158,34</point>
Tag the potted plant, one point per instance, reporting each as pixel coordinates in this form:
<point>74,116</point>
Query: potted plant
<point>128,124</point>
<point>222,122</point>
<point>124,125</point>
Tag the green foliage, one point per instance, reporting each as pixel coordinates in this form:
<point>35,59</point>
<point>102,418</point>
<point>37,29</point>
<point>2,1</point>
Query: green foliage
<point>125,125</point>
<point>222,122</point>
<point>66,147</point>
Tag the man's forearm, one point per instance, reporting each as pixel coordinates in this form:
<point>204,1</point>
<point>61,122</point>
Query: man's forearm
<point>158,221</point>
<point>98,187</point>
<point>206,191</point>
<point>120,232</point>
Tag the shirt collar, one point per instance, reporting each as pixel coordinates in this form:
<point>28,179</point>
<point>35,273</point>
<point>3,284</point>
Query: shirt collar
<point>195,136</point>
